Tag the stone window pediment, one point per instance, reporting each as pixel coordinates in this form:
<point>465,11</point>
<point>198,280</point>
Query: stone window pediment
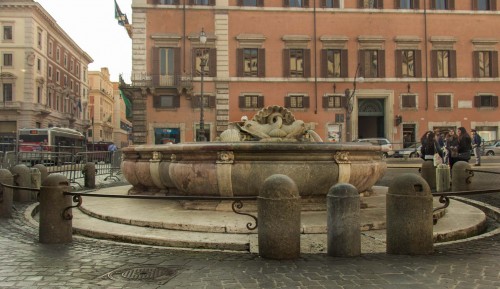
<point>250,40</point>
<point>371,42</point>
<point>407,42</point>
<point>443,42</point>
<point>296,41</point>
<point>334,42</point>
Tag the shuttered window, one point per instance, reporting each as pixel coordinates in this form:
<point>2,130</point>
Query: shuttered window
<point>297,101</point>
<point>371,4</point>
<point>407,4</point>
<point>485,64</point>
<point>443,63</point>
<point>408,101</point>
<point>251,62</point>
<point>486,101</point>
<point>258,3</point>
<point>484,5</point>
<point>333,101</point>
<point>202,2</point>
<point>443,4</point>
<point>209,55</point>
<point>297,62</point>
<point>372,63</point>
<point>296,3</point>
<point>208,101</point>
<point>408,63</point>
<point>334,63</point>
<point>166,101</point>
<point>444,101</point>
<point>251,101</point>
<point>330,3</point>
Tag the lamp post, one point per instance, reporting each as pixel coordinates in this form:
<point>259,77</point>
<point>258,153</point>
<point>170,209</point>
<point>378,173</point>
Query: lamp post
<point>349,103</point>
<point>203,63</point>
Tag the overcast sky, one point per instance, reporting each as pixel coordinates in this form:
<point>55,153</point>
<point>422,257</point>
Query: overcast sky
<point>92,25</point>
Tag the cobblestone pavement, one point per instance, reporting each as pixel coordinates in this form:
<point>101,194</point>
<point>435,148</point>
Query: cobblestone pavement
<point>88,263</point>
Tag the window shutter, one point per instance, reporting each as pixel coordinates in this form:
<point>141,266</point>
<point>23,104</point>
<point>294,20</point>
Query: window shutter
<point>286,62</point>
<point>405,101</point>
<point>211,3</point>
<point>433,4</point>
<point>287,101</point>
<point>156,101</point>
<point>211,101</point>
<point>474,4</point>
<point>155,65</point>
<point>493,5</point>
<point>453,63</point>
<point>260,101</point>
<point>344,63</point>
<point>416,4</point>
<point>260,3</point>
<point>399,62</point>
<point>325,101</point>
<point>418,63</point>
<point>397,4</point>
<point>306,3</point>
<point>475,64</point>
<point>413,100</point>
<point>451,4</point>
<point>360,4</point>
<point>324,63</point>
<point>177,62</point>
<point>343,101</point>
<point>212,58</point>
<point>361,56</point>
<point>177,101</point>
<point>434,65</point>
<point>261,65</point>
<point>381,64</point>
<point>239,62</point>
<point>195,101</point>
<point>336,4</point>
<point>494,100</point>
<point>380,4</point>
<point>477,101</point>
<point>494,64</point>
<point>286,3</point>
<point>305,101</point>
<point>323,3</point>
<point>241,101</point>
<point>307,62</point>
<point>240,2</point>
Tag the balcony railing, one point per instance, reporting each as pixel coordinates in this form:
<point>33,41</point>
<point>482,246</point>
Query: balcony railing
<point>156,80</point>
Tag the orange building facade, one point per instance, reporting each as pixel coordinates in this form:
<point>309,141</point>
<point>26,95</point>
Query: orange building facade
<point>409,66</point>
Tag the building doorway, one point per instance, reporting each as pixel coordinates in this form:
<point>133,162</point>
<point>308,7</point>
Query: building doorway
<point>371,120</point>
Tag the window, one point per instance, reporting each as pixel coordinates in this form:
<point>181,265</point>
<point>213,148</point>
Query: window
<point>484,5</point>
<point>208,101</point>
<point>58,54</point>
<point>71,65</point>
<point>297,62</point>
<point>65,61</point>
<point>407,4</point>
<point>209,54</point>
<point>50,48</point>
<point>49,72</point>
<point>485,64</point>
<point>251,62</point>
<point>296,3</point>
<point>166,65</point>
<point>296,101</point>
<point>334,63</point>
<point>39,39</point>
<point>166,101</point>
<point>486,101</point>
<point>251,101</point>
<point>7,33</point>
<point>408,63</point>
<point>7,59</point>
<point>372,63</point>
<point>202,2</point>
<point>57,76</point>
<point>444,101</point>
<point>168,2</point>
<point>408,101</point>
<point>39,65</point>
<point>443,63</point>
<point>371,4</point>
<point>330,3</point>
<point>333,101</point>
<point>258,3</point>
<point>443,4</point>
<point>39,94</point>
<point>7,91</point>
<point>65,81</point>
<point>167,135</point>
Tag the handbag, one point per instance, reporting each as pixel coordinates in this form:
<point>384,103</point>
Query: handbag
<point>464,156</point>
<point>438,160</point>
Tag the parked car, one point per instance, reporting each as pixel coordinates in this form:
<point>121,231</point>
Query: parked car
<point>385,143</point>
<point>413,151</point>
<point>492,150</point>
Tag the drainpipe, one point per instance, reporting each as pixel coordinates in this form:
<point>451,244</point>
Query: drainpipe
<point>426,59</point>
<point>184,36</point>
<point>315,64</point>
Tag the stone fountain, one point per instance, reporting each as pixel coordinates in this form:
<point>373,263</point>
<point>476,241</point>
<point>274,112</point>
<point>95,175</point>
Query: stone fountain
<point>249,151</point>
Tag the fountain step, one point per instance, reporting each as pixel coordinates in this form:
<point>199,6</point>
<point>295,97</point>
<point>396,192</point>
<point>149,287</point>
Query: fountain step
<point>154,222</point>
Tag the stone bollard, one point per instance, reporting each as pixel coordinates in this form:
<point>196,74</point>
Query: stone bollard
<point>54,229</point>
<point>343,221</point>
<point>409,216</point>
<point>6,194</point>
<point>461,176</point>
<point>428,172</point>
<point>36,182</point>
<point>279,218</point>
<point>22,178</point>
<point>443,178</point>
<point>89,175</point>
<point>43,172</point>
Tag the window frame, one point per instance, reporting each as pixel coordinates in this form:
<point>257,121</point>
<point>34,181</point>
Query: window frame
<point>334,101</point>
<point>481,99</point>
<point>158,98</point>
<point>377,4</point>
<point>492,68</point>
<point>409,101</point>
<point>7,30</point>
<point>243,101</point>
<point>293,98</point>
<point>330,3</point>
<point>306,63</point>
<point>301,4</point>
<point>7,96</point>
<point>449,5</point>
<point>380,58</point>
<point>444,101</point>
<point>10,59</point>
<point>451,67</point>
<point>342,58</point>
<point>258,3</point>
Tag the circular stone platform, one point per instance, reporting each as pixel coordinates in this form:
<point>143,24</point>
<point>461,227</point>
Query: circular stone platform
<point>169,223</point>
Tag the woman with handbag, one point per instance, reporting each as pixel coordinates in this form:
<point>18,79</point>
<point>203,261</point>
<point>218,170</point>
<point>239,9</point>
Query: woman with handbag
<point>431,150</point>
<point>452,147</point>
<point>464,145</point>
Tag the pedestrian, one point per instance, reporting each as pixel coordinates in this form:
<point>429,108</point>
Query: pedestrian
<point>451,147</point>
<point>464,145</point>
<point>112,147</point>
<point>430,147</point>
<point>476,146</point>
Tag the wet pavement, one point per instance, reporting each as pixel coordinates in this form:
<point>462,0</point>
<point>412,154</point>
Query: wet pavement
<point>90,263</point>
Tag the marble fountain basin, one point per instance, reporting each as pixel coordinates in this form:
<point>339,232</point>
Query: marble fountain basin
<point>240,168</point>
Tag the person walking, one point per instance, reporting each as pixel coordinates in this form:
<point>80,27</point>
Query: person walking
<point>430,146</point>
<point>476,146</point>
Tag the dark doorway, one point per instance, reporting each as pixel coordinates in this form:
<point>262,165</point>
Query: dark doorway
<point>371,120</point>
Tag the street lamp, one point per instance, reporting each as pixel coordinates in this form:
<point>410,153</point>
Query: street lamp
<point>203,63</point>
<point>349,103</point>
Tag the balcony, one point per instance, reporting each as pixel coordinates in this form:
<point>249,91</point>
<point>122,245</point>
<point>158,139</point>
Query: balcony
<point>180,82</point>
